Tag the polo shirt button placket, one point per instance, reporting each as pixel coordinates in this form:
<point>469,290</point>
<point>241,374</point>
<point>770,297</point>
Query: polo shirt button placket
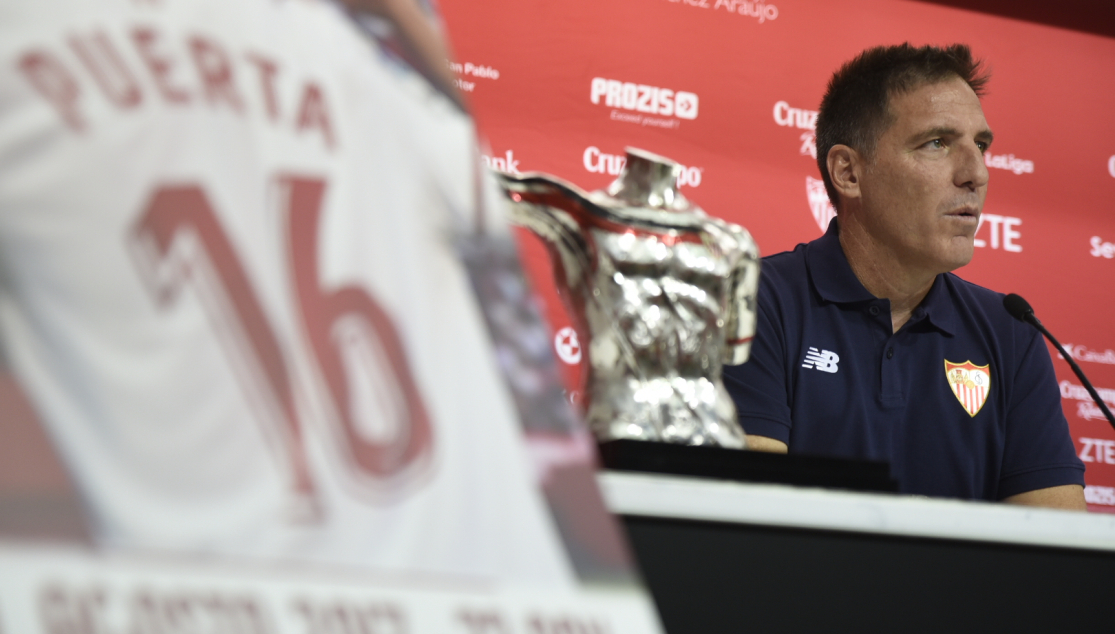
<point>890,378</point>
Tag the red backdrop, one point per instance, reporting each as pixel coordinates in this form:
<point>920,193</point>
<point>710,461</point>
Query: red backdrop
<point>727,88</point>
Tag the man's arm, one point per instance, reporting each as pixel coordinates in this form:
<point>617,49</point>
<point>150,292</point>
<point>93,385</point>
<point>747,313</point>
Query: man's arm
<point>1069,497</point>
<point>762,443</point>
<point>760,387</point>
<point>1039,464</point>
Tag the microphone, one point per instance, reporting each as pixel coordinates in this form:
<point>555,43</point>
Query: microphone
<point>1021,310</point>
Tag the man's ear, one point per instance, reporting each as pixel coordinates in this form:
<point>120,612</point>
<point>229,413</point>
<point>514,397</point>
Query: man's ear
<point>845,169</point>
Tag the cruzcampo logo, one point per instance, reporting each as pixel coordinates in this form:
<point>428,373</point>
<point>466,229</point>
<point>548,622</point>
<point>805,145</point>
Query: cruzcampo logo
<point>970,383</point>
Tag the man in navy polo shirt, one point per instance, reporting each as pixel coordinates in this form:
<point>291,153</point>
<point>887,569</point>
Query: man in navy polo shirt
<point>867,346</point>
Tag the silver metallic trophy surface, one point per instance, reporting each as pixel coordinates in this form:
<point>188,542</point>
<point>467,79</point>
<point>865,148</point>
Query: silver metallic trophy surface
<point>665,292</point>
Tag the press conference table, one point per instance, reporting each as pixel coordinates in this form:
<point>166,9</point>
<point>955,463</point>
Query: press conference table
<point>723,556</point>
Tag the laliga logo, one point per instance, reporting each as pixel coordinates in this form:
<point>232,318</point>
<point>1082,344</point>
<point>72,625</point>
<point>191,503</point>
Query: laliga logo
<point>1008,162</point>
<point>644,98</point>
<point>598,162</point>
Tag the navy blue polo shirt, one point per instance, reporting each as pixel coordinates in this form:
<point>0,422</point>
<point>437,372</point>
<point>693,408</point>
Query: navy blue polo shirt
<point>961,401</point>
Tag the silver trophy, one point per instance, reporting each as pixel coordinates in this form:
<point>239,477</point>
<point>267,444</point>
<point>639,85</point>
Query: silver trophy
<point>665,292</point>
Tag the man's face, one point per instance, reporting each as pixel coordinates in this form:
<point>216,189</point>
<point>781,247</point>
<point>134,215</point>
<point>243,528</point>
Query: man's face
<point>924,188</point>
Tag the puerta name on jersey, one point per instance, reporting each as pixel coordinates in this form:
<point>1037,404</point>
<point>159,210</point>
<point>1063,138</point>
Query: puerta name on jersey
<point>144,64</point>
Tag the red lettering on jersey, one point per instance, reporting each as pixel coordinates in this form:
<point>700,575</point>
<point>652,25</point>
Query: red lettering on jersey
<point>215,71</point>
<point>180,241</point>
<point>312,113</point>
<point>103,61</point>
<point>336,319</point>
<point>55,83</point>
<point>267,71</point>
<point>159,65</point>
<point>183,213</point>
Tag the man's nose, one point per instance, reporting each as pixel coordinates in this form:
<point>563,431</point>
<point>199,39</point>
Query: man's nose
<point>971,171</point>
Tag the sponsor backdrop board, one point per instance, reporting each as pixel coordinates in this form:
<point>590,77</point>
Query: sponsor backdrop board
<point>729,89</point>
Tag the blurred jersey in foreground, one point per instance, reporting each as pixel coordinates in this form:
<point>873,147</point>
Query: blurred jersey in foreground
<point>230,286</point>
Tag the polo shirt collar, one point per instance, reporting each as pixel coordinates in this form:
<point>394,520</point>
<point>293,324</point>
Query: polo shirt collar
<point>832,276</point>
<point>939,307</point>
<point>834,281</point>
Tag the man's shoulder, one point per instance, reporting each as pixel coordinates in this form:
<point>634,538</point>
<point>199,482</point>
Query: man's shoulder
<point>785,287</point>
<point>982,308</point>
<point>973,297</point>
<point>786,266</point>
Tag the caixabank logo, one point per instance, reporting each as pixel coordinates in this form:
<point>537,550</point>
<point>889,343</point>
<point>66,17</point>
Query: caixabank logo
<point>632,103</point>
<point>506,162</point>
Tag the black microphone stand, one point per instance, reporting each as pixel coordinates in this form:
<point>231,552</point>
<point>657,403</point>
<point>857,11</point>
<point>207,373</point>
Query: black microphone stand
<point>1021,309</point>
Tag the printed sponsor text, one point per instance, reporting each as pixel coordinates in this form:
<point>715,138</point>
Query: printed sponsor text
<point>761,10</point>
<point>634,97</point>
<point>599,162</point>
<point>1000,232</point>
<point>1008,162</point>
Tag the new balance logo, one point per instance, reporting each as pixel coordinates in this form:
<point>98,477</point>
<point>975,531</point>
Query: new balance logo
<point>822,360</point>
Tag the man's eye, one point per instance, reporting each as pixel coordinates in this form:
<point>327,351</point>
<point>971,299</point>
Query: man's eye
<point>936,144</point>
<point>982,145</point>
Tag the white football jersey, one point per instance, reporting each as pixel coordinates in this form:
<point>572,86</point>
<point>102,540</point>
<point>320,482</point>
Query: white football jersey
<point>228,284</point>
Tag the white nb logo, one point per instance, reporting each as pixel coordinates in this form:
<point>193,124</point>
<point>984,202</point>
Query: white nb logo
<point>822,360</point>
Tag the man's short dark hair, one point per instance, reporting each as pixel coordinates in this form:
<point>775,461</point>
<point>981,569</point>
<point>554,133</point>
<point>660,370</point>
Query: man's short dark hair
<point>856,108</point>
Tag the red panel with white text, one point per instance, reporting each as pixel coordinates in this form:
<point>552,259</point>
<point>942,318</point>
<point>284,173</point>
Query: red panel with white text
<point>729,89</point>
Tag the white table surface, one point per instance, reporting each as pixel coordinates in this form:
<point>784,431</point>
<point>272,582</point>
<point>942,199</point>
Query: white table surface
<point>681,497</point>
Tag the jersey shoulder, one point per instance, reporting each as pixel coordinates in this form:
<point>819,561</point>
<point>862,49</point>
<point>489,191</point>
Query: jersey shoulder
<point>981,308</point>
<point>781,269</point>
<point>972,297</point>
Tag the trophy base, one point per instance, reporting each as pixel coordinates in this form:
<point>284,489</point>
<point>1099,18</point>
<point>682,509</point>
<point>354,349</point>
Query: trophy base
<point>746,466</point>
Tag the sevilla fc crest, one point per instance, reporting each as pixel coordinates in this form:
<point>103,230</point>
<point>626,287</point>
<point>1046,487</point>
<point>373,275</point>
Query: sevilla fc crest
<point>970,383</point>
<point>819,203</point>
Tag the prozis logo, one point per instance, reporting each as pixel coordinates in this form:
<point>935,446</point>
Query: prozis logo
<point>626,95</point>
